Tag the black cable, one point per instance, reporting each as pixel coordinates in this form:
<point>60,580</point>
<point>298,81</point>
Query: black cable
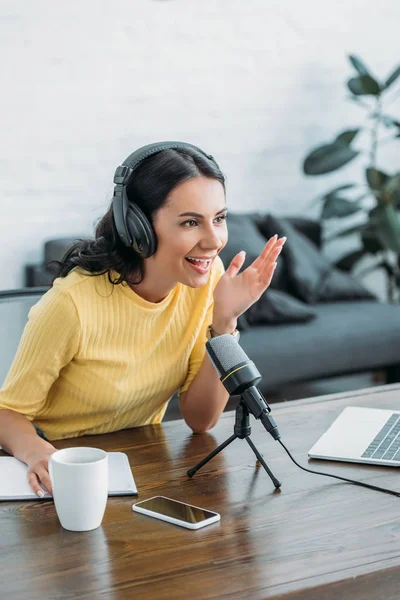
<point>360,483</point>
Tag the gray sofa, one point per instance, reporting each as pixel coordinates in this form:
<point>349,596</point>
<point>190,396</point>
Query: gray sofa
<point>337,327</point>
<point>345,336</point>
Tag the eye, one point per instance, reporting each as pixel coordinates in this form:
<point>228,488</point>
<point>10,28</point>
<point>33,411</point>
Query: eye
<point>221,218</point>
<point>189,223</point>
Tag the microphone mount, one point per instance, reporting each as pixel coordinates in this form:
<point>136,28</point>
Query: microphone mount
<point>252,399</point>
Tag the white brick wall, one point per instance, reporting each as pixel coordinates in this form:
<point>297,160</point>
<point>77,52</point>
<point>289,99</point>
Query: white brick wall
<point>256,83</point>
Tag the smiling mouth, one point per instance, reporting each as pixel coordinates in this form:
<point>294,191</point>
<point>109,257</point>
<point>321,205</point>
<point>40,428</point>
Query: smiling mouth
<point>200,265</point>
<point>199,261</point>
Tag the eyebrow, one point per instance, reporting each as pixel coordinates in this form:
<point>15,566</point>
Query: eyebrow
<point>195,214</point>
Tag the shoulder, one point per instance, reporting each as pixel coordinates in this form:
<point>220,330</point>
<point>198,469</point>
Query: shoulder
<point>76,277</point>
<point>84,287</point>
<point>63,298</point>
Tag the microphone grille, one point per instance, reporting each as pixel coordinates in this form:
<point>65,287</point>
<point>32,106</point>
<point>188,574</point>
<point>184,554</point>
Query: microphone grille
<point>225,353</point>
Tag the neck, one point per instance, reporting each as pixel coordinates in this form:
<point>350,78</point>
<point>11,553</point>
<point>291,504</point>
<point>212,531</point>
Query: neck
<point>151,292</point>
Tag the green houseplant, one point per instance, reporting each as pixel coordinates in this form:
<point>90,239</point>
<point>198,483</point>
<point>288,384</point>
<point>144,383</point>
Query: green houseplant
<point>378,200</point>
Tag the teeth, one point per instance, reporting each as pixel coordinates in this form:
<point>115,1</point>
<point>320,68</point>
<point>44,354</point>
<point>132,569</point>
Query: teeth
<point>200,261</point>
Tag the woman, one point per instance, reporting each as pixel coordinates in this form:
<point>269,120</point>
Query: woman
<point>125,324</point>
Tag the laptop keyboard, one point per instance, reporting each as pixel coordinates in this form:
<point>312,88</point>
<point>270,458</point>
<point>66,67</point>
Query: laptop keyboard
<point>386,445</point>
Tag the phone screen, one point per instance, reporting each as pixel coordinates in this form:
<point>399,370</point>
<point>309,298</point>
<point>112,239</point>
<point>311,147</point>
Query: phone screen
<point>175,509</point>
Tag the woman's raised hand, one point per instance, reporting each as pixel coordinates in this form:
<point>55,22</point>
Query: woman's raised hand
<point>236,292</point>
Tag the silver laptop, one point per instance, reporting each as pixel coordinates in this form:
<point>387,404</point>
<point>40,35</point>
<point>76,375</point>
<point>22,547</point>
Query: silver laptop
<point>362,435</point>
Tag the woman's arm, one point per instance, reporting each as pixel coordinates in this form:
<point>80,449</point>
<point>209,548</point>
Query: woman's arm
<point>206,397</point>
<point>19,438</point>
<point>202,404</point>
<point>49,342</point>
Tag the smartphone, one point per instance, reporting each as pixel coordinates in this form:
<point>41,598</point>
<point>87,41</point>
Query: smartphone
<point>176,512</point>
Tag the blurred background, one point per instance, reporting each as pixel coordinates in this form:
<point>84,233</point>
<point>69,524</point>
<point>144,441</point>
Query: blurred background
<point>258,84</point>
<point>255,83</point>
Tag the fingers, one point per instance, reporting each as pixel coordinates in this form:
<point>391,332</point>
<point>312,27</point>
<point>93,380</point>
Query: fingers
<point>267,278</point>
<point>41,475</point>
<point>266,263</point>
<point>267,267</point>
<point>275,252</point>
<point>267,249</point>
<point>271,251</point>
<point>236,264</point>
<point>34,483</point>
<point>44,477</point>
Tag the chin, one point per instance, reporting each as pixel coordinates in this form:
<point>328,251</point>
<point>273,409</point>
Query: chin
<point>194,282</point>
<point>195,285</point>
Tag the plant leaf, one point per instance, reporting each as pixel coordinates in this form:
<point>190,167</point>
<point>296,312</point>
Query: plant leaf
<point>389,121</point>
<point>345,232</point>
<point>371,241</point>
<point>392,190</point>
<point>337,207</point>
<point>333,192</point>
<point>387,223</point>
<point>327,158</point>
<point>346,263</point>
<point>346,137</point>
<point>358,65</point>
<point>364,85</point>
<point>376,179</point>
<point>394,75</point>
<point>351,230</point>
<point>339,188</point>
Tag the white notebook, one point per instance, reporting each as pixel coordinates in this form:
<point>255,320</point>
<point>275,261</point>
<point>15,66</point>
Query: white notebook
<point>14,483</point>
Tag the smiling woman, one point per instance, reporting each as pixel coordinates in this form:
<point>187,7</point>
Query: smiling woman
<point>125,324</point>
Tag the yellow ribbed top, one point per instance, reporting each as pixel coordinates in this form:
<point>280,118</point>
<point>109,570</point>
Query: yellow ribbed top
<point>95,357</point>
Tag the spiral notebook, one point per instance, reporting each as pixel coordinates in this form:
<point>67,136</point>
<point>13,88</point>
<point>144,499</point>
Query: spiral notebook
<point>14,483</point>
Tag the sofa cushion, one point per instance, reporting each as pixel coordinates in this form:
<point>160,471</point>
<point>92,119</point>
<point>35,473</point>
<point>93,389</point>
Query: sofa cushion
<point>306,266</point>
<point>311,276</point>
<point>341,286</point>
<point>278,307</point>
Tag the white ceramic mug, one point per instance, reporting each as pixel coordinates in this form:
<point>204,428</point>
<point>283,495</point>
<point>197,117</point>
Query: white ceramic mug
<point>79,477</point>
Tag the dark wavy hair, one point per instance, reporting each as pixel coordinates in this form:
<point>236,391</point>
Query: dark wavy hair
<point>149,186</point>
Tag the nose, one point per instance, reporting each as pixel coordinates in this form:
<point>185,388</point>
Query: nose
<point>211,240</point>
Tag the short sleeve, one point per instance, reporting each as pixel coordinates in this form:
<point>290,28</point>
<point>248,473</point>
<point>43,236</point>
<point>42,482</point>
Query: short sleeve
<point>48,343</point>
<point>199,348</point>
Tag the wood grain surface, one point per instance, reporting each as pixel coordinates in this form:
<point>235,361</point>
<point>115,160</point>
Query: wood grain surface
<point>315,538</point>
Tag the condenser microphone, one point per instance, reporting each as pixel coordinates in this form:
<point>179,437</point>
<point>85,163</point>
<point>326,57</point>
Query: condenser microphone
<point>239,375</point>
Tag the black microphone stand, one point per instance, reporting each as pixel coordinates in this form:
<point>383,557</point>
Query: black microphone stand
<point>242,431</point>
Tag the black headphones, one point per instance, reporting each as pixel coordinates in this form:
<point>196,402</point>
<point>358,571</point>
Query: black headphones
<point>132,225</point>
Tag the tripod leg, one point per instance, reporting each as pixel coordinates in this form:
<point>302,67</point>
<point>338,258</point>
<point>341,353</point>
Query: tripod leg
<point>275,481</point>
<point>205,460</point>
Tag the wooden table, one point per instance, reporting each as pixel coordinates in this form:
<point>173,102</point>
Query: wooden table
<point>316,538</point>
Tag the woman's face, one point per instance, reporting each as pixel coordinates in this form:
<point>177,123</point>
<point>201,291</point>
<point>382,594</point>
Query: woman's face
<point>191,225</point>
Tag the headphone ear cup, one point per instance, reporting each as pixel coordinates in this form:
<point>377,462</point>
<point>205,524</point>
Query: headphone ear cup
<point>141,232</point>
<point>120,208</point>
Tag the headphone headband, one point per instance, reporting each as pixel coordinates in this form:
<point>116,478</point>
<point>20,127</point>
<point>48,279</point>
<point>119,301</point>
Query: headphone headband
<point>124,171</point>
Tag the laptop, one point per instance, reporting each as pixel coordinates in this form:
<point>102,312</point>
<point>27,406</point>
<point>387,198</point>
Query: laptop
<point>362,435</point>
